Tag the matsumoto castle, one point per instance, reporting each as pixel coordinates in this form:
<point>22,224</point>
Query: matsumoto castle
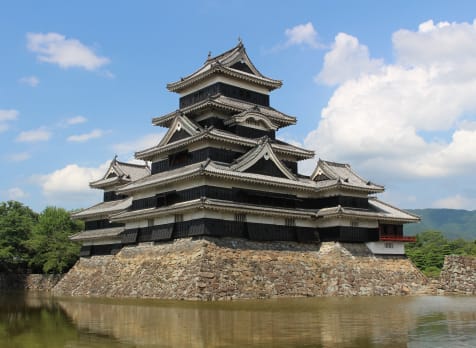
<point>220,171</point>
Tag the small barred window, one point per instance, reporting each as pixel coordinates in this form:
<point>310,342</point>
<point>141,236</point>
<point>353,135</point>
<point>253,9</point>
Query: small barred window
<point>178,218</point>
<point>240,217</point>
<point>253,122</point>
<point>389,245</point>
<point>289,222</point>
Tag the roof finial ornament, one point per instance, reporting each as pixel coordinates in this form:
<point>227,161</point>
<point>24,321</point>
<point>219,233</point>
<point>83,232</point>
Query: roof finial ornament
<point>240,42</point>
<point>209,55</point>
<point>115,158</point>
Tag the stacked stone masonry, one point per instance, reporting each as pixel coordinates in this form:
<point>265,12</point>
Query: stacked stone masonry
<point>34,282</point>
<point>222,269</point>
<point>458,276</point>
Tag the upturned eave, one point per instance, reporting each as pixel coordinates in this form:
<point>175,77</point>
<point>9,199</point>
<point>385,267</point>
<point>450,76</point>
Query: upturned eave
<point>217,69</point>
<point>228,104</point>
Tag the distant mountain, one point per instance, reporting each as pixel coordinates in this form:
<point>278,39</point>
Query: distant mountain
<point>454,223</point>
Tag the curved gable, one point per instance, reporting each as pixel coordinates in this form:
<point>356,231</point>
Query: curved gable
<point>262,160</point>
<point>182,127</point>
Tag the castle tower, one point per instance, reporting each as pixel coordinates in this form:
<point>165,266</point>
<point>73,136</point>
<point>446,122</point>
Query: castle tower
<point>220,171</point>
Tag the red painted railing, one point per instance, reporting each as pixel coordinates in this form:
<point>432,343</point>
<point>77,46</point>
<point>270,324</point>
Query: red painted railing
<point>393,238</point>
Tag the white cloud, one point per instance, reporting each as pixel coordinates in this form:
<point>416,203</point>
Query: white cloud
<point>95,133</point>
<point>40,134</point>
<point>71,184</point>
<point>76,120</point>
<point>5,117</point>
<point>414,117</point>
<point>16,193</point>
<point>142,143</point>
<point>19,157</point>
<point>347,59</point>
<point>31,81</point>
<point>455,202</point>
<point>441,44</point>
<point>8,115</point>
<point>302,34</point>
<point>66,52</point>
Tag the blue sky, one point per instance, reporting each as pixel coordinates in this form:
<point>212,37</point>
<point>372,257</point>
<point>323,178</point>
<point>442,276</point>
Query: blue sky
<point>388,87</point>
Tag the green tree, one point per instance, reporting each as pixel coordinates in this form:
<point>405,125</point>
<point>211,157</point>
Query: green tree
<point>429,251</point>
<point>50,247</point>
<point>16,224</point>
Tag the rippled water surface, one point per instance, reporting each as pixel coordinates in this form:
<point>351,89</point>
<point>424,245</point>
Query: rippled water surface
<point>39,320</point>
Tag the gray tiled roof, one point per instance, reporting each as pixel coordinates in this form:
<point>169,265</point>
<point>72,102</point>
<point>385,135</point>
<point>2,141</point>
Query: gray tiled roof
<point>173,175</point>
<point>343,173</point>
<point>392,211</point>
<point>223,136</point>
<point>377,209</point>
<point>103,209</point>
<point>123,173</point>
<point>211,168</point>
<point>222,64</point>
<point>230,104</point>
<point>214,204</point>
<point>134,171</point>
<point>104,233</point>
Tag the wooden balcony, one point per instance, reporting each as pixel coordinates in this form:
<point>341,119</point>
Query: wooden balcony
<point>395,238</point>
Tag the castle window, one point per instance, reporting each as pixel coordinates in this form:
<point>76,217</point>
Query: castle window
<point>240,217</point>
<point>289,222</point>
<point>178,217</point>
<point>389,245</point>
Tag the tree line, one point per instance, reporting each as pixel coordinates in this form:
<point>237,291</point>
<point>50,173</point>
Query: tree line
<point>36,243</point>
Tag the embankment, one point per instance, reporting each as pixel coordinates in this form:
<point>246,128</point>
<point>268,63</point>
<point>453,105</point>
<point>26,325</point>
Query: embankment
<point>458,276</point>
<point>218,269</point>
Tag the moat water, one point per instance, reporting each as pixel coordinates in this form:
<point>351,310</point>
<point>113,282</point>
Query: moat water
<point>40,320</point>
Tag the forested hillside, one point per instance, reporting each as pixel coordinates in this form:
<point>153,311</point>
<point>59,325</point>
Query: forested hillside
<point>454,223</point>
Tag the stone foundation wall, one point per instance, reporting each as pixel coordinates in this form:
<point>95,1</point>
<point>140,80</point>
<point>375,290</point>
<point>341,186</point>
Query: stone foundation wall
<point>216,269</point>
<point>458,275</point>
<point>36,282</point>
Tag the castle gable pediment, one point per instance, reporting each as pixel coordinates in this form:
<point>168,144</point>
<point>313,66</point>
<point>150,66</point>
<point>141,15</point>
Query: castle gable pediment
<point>182,127</point>
<point>262,160</point>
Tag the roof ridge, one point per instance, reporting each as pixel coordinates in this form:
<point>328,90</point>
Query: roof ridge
<point>217,57</point>
<point>340,164</point>
<point>133,164</point>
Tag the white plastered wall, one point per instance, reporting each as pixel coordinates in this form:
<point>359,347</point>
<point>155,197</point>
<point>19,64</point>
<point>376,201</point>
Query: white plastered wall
<point>386,248</point>
<point>346,221</point>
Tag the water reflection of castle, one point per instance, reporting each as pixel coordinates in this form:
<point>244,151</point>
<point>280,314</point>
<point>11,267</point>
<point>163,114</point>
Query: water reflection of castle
<point>220,171</point>
<point>324,322</point>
